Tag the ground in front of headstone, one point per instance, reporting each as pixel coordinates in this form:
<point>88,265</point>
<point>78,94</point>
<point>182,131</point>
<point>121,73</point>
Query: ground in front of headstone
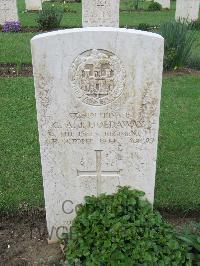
<point>15,70</point>
<point>23,239</point>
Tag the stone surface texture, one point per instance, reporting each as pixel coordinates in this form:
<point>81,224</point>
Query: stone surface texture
<point>33,4</point>
<point>164,3</point>
<point>98,13</point>
<point>8,11</point>
<point>187,10</point>
<point>98,107</point>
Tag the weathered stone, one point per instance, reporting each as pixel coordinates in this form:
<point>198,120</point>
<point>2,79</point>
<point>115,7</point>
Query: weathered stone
<point>98,13</point>
<point>98,114</point>
<point>33,4</point>
<point>187,10</point>
<point>164,3</point>
<point>8,11</point>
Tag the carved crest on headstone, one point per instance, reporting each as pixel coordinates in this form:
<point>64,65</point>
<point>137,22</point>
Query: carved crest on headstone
<point>97,77</point>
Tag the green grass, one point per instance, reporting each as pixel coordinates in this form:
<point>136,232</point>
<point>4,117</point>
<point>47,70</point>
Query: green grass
<point>20,177</point>
<point>15,47</point>
<point>178,168</point>
<point>152,18</point>
<point>28,19</point>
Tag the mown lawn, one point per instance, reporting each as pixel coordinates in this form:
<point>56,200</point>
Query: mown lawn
<point>178,168</point>
<point>15,47</point>
<point>127,18</point>
<point>20,178</point>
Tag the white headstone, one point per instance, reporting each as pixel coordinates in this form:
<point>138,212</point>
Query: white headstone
<point>164,3</point>
<point>187,10</point>
<point>33,5</point>
<point>98,13</point>
<point>98,103</point>
<point>8,11</point>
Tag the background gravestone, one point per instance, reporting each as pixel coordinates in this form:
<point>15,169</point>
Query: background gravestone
<point>8,11</point>
<point>164,3</point>
<point>33,4</point>
<point>187,10</point>
<point>98,102</point>
<point>97,13</point>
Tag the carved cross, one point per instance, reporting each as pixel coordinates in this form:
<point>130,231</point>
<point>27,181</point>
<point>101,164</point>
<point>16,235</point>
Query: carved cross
<point>98,173</point>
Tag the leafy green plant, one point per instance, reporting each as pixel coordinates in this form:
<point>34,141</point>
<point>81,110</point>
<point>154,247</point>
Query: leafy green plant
<point>144,26</point>
<point>130,5</point>
<point>67,8</point>
<point>194,25</point>
<point>178,43</point>
<point>136,4</point>
<point>154,6</point>
<point>194,62</point>
<point>49,19</point>
<point>122,229</point>
<point>192,239</point>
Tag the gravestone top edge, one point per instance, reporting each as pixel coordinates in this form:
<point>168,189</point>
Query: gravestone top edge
<point>97,29</point>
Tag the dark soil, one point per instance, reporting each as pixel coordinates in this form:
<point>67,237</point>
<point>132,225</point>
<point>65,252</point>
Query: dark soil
<point>131,10</point>
<point>36,29</point>
<point>26,70</point>
<point>14,70</point>
<point>30,29</point>
<point>23,241</point>
<point>182,71</point>
<point>23,237</point>
<point>179,218</point>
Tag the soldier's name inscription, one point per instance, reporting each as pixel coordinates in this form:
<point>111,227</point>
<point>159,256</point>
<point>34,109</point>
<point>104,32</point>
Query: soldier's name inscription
<point>83,128</point>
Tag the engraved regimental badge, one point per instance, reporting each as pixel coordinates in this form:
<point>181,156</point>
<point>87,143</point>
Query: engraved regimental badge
<point>97,77</point>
